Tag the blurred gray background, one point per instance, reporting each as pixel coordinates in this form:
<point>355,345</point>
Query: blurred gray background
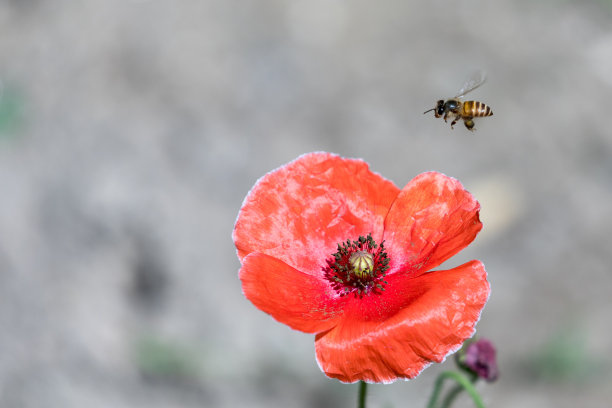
<point>130,132</point>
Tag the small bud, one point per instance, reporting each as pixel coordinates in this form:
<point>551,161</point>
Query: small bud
<point>479,357</point>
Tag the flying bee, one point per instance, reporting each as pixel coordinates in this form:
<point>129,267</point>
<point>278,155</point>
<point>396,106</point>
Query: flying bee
<point>457,109</point>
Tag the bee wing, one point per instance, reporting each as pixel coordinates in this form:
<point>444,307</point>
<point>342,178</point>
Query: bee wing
<point>474,81</point>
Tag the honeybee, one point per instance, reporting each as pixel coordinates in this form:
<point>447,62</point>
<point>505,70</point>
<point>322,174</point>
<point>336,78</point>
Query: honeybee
<point>457,109</point>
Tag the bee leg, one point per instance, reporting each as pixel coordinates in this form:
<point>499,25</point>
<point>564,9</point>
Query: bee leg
<point>453,122</point>
<point>446,116</point>
<point>469,123</point>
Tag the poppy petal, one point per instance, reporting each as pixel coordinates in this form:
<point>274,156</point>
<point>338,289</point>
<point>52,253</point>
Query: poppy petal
<point>301,211</point>
<point>296,299</point>
<point>433,218</point>
<point>441,310</point>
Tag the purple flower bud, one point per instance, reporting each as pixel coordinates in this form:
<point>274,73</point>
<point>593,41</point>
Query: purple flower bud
<point>480,358</point>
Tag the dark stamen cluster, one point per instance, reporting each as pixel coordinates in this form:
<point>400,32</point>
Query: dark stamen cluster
<point>340,272</point>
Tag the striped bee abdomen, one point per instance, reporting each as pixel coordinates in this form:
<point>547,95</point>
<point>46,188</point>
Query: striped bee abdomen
<point>476,109</point>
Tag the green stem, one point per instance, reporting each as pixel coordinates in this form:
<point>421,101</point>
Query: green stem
<point>462,382</point>
<point>362,394</point>
<point>436,392</point>
<point>450,397</point>
<point>456,390</point>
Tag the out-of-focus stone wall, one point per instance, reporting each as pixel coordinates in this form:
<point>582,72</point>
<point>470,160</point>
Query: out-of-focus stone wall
<point>130,132</point>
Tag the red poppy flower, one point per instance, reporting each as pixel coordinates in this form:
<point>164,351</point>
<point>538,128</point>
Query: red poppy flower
<point>331,248</point>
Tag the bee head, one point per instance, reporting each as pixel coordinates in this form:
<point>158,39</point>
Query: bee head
<point>438,109</point>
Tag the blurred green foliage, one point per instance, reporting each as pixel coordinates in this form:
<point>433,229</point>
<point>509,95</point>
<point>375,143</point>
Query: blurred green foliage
<point>11,111</point>
<point>564,358</point>
<point>163,359</point>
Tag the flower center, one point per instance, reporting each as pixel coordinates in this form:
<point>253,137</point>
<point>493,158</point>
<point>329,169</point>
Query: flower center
<point>358,267</point>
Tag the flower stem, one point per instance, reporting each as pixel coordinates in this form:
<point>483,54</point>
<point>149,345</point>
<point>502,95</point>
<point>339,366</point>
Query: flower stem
<point>463,384</point>
<point>452,394</point>
<point>456,390</point>
<point>362,394</point>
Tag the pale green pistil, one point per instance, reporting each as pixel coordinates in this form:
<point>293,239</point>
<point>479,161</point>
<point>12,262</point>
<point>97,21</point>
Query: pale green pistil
<point>362,263</point>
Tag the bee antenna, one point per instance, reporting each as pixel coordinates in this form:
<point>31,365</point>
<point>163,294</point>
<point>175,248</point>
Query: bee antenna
<point>429,110</point>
